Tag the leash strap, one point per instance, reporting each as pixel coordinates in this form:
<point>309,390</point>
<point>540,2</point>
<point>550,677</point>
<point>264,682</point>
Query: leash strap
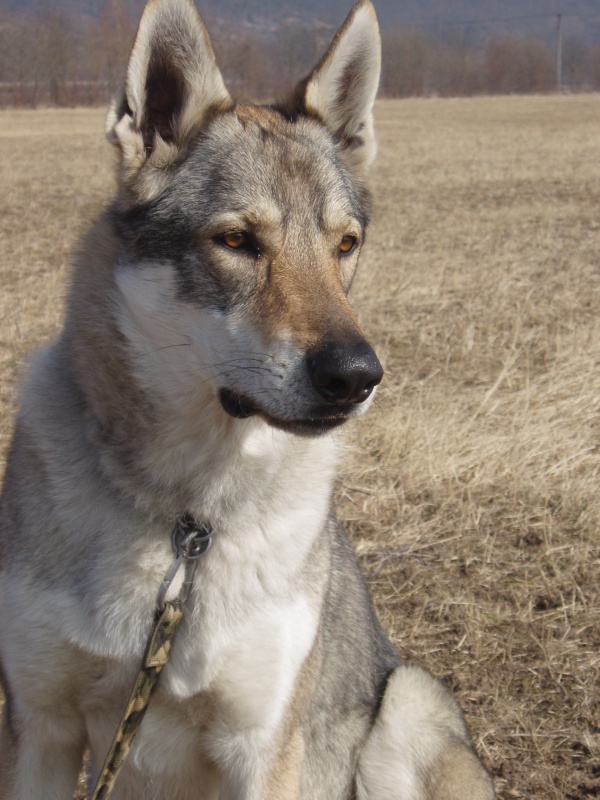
<point>156,656</point>
<point>190,542</point>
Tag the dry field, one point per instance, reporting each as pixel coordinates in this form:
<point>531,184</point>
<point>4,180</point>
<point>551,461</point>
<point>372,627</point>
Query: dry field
<point>471,489</point>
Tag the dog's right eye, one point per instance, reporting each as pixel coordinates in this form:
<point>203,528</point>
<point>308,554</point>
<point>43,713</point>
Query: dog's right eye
<point>237,240</point>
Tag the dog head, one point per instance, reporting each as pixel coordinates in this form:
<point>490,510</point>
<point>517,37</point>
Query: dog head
<point>242,225</point>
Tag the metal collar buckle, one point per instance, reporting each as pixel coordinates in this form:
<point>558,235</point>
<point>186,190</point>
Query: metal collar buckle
<point>191,541</point>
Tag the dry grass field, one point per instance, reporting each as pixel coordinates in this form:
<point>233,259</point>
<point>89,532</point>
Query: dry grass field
<point>471,489</point>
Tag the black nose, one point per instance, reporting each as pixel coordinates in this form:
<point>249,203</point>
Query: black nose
<point>345,374</point>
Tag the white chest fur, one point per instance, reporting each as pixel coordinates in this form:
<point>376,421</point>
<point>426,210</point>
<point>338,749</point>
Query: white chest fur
<point>252,620</point>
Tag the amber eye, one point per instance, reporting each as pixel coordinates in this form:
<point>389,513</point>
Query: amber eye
<point>347,244</point>
<point>236,240</point>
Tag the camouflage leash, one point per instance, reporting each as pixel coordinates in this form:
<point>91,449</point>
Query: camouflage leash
<point>190,542</point>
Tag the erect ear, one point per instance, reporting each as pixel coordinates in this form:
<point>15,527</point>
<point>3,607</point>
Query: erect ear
<point>342,88</point>
<point>172,85</point>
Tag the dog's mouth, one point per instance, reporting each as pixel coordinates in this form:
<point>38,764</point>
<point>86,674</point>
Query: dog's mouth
<point>240,407</point>
<point>236,406</point>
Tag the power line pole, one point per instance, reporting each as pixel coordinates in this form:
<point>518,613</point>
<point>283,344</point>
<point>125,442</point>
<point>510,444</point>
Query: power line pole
<point>559,52</point>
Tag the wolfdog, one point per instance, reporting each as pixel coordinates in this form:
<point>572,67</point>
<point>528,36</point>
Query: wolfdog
<point>208,355</point>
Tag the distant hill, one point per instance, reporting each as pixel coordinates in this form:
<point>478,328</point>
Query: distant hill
<point>472,18</point>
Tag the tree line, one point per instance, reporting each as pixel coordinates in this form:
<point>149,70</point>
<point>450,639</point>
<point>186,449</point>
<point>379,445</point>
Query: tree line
<point>50,58</point>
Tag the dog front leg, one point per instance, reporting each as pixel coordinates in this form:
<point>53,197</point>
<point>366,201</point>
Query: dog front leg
<point>419,748</point>
<point>249,763</point>
<point>49,753</point>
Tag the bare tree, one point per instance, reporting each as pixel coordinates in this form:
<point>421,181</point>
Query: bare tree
<point>456,69</point>
<point>109,42</point>
<point>594,67</point>
<point>251,65</point>
<point>18,63</point>
<point>515,64</point>
<point>56,52</point>
<point>300,47</point>
<point>575,62</point>
<point>405,63</point>
<point>39,58</point>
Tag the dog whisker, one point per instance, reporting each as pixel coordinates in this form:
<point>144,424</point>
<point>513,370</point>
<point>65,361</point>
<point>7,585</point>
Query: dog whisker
<point>164,347</point>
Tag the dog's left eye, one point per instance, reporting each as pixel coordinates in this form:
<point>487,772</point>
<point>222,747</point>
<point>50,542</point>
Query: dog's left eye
<point>347,244</point>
